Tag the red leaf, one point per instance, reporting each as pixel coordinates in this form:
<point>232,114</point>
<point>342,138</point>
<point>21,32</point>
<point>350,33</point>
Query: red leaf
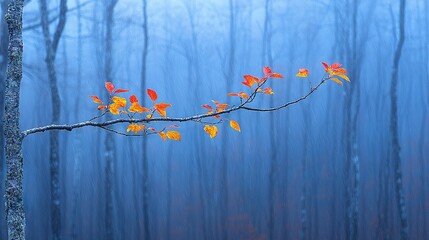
<point>109,86</point>
<point>335,65</point>
<point>326,66</point>
<point>120,90</point>
<point>133,99</point>
<point>152,94</point>
<point>267,71</point>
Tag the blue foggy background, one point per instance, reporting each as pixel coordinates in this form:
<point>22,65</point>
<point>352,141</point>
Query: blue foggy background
<point>284,176</point>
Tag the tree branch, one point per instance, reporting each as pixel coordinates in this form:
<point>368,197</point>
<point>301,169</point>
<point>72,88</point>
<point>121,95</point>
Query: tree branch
<point>104,125</point>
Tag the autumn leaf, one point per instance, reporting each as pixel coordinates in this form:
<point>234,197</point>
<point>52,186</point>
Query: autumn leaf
<point>96,100</point>
<point>133,99</point>
<point>268,91</point>
<point>135,128</point>
<point>336,80</point>
<point>119,101</point>
<point>162,135</point>
<point>339,71</point>
<point>152,94</point>
<point>335,65</point>
<point>243,95</point>
<point>120,90</point>
<point>173,135</point>
<point>234,125</point>
<point>220,107</point>
<point>208,107</point>
<point>276,75</point>
<point>303,72</point>
<point>113,108</point>
<point>136,107</point>
<point>343,76</point>
<point>326,66</point>
<point>211,130</point>
<point>109,86</point>
<point>250,80</point>
<point>267,71</point>
<point>240,94</point>
<point>160,108</point>
<point>101,107</point>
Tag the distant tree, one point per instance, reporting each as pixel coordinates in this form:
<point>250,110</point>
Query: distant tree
<point>115,105</point>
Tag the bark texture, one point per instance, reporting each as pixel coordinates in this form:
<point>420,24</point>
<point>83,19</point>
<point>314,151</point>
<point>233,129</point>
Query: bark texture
<point>14,161</point>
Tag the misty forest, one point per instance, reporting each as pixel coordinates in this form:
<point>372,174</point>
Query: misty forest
<point>215,119</point>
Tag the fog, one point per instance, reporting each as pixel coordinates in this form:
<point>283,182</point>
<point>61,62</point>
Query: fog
<point>324,168</point>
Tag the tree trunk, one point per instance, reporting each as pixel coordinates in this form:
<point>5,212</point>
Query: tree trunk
<point>394,136</point>
<point>51,50</point>
<point>15,166</point>
<point>4,40</point>
<point>146,225</point>
<point>109,142</point>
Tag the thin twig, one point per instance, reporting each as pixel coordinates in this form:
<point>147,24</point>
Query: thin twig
<point>104,125</point>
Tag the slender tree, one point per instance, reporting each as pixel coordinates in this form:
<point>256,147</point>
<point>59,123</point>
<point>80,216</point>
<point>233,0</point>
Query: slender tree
<point>395,156</point>
<point>109,142</point>
<point>51,46</point>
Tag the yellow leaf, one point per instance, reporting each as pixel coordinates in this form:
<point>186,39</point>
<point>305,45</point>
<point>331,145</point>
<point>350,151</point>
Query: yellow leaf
<point>120,101</point>
<point>343,76</point>
<point>173,135</point>
<point>336,80</point>
<point>162,135</point>
<point>113,108</point>
<point>211,130</point>
<point>234,125</point>
<point>303,72</point>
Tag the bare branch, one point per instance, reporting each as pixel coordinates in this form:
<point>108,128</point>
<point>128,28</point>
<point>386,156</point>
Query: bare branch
<point>197,118</point>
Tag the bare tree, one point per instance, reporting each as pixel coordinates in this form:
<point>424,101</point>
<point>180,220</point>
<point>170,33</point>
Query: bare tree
<point>51,46</point>
<point>394,137</point>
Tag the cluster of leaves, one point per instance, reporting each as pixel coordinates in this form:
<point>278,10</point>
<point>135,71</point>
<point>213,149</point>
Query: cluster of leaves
<point>118,105</point>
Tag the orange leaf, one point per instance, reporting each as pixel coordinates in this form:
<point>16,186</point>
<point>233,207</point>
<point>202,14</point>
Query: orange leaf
<point>135,128</point>
<point>243,95</point>
<point>120,90</point>
<point>234,125</point>
<point>173,135</point>
<point>339,70</point>
<point>211,130</point>
<point>96,100</point>
<point>233,94</point>
<point>136,107</point>
<point>162,135</point>
<point>336,80</point>
<point>109,86</point>
<point>303,72</point>
<point>268,91</point>
<point>276,75</point>
<point>113,108</point>
<point>160,108</point>
<point>119,101</point>
<point>267,71</point>
<point>152,94</point>
<point>101,107</point>
<point>133,99</point>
